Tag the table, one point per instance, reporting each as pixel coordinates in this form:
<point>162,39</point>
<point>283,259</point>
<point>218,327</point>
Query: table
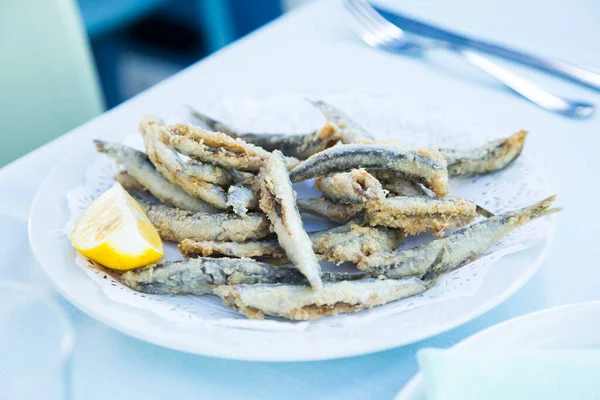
<point>311,50</point>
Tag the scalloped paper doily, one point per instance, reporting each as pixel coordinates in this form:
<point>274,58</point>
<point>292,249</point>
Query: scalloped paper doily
<point>387,118</point>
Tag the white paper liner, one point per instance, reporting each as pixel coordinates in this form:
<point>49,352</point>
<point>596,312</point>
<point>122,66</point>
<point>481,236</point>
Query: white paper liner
<point>387,118</point>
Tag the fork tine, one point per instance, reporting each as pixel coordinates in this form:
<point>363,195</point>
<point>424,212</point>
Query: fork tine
<point>359,29</point>
<point>360,17</point>
<point>380,28</point>
<point>376,18</point>
<point>362,26</point>
<point>356,21</point>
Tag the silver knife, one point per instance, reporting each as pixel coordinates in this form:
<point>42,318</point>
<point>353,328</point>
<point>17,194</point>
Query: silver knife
<point>560,68</point>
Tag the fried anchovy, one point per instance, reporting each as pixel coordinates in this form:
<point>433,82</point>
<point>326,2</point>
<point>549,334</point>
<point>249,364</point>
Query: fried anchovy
<point>175,225</point>
<point>322,207</point>
<point>363,185</point>
<point>131,184</point>
<point>351,132</point>
<point>350,242</point>
<point>493,156</point>
<point>299,302</point>
<point>218,148</point>
<point>241,198</point>
<point>300,146</point>
<point>168,162</point>
<point>421,214</point>
<point>202,275</point>
<point>140,168</point>
<point>412,214</point>
<point>424,166</point>
<point>456,249</point>
<point>354,187</point>
<point>183,174</point>
<point>399,186</point>
<point>278,201</point>
<point>250,249</point>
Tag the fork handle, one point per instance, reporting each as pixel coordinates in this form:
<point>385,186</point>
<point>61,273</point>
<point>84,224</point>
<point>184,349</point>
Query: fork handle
<point>526,88</point>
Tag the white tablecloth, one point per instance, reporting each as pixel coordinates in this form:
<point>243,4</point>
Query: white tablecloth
<point>310,50</point>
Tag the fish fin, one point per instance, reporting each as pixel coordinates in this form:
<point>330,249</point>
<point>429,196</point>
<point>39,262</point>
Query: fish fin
<point>483,212</point>
<point>205,119</point>
<point>326,110</point>
<point>516,140</point>
<point>541,208</point>
<point>336,277</point>
<point>316,103</point>
<point>211,123</point>
<point>361,218</point>
<point>100,146</point>
<point>438,267</point>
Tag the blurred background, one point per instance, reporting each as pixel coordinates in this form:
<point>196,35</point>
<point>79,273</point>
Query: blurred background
<point>137,43</point>
<point>78,58</point>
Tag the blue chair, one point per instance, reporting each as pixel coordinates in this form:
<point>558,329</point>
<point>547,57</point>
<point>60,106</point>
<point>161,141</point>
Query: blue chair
<point>48,84</point>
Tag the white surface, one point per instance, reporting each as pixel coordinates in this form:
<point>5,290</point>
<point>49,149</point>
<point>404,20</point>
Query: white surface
<point>33,358</point>
<point>573,326</point>
<point>177,321</point>
<point>311,50</point>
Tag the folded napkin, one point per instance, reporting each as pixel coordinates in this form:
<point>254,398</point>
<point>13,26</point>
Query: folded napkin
<point>536,374</point>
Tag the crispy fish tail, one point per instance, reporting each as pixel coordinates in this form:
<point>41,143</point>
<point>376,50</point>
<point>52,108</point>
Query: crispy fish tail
<point>492,156</point>
<point>537,210</point>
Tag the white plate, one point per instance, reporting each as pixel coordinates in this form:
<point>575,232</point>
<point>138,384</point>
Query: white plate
<point>331,339</point>
<point>566,327</point>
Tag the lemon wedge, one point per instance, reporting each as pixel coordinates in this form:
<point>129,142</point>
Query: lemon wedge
<point>114,231</point>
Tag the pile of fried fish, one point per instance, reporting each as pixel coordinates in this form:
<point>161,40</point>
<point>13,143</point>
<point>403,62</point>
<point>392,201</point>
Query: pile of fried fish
<point>227,198</point>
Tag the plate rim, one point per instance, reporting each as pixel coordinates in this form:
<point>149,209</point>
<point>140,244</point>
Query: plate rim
<point>369,347</point>
<point>410,390</point>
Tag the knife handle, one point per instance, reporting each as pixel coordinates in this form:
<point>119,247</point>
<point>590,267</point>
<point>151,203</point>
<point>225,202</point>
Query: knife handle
<point>527,89</point>
<point>556,67</point>
<point>560,68</point>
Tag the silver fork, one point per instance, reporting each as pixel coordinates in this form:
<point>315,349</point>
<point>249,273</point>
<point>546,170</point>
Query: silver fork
<point>378,32</point>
